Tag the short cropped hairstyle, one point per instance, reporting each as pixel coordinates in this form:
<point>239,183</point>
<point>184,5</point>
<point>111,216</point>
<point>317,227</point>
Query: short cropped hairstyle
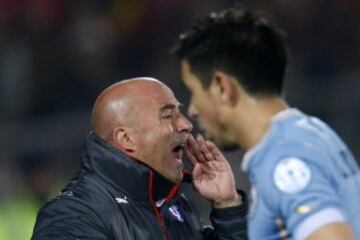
<point>244,44</point>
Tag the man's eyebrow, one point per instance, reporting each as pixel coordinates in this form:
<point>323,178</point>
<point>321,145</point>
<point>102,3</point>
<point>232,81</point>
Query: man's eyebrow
<point>170,106</point>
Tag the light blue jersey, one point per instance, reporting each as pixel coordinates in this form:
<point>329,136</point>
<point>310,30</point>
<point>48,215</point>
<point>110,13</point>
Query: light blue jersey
<point>303,177</point>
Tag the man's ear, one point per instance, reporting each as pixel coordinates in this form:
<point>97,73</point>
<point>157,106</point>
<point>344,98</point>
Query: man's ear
<point>124,139</point>
<point>224,87</point>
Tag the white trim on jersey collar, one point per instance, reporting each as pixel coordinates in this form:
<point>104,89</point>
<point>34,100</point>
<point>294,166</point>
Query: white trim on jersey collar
<point>316,221</point>
<point>284,114</point>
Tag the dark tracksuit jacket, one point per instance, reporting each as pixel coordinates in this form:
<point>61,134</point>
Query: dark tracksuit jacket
<point>118,198</point>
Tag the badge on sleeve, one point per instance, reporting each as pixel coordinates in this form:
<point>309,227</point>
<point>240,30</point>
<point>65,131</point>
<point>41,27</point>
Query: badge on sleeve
<point>291,175</point>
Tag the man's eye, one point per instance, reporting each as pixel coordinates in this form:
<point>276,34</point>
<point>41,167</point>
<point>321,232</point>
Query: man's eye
<point>167,116</point>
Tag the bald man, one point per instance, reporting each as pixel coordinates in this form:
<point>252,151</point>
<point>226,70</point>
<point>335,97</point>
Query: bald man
<point>131,179</point>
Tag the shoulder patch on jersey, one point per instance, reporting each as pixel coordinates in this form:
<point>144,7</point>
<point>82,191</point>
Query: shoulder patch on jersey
<point>291,175</point>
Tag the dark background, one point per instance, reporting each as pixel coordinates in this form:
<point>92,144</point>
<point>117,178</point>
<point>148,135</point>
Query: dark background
<point>56,56</point>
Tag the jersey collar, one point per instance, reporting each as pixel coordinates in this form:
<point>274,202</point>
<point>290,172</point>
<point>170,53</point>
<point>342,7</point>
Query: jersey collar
<point>280,116</point>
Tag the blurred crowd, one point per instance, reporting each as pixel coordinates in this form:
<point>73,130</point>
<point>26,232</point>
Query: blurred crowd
<point>56,57</point>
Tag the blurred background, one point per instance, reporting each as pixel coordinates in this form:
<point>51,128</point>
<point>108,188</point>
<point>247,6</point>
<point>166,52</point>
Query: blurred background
<point>56,56</point>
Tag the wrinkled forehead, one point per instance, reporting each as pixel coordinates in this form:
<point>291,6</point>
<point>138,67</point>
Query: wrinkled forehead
<point>156,98</point>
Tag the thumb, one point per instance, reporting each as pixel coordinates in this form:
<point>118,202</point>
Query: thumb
<point>196,173</point>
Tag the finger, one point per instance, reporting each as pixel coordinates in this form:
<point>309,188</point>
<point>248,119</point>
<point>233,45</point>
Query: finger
<point>217,166</point>
<point>208,155</point>
<point>190,156</point>
<point>196,173</point>
<point>204,149</point>
<point>200,139</point>
<point>195,149</point>
<point>214,150</point>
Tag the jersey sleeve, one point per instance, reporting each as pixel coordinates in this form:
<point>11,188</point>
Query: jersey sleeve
<point>299,190</point>
<point>69,220</point>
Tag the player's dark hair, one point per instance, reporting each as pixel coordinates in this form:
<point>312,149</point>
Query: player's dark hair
<point>241,43</point>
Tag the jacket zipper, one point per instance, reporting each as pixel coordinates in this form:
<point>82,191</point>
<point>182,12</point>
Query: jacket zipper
<point>158,216</point>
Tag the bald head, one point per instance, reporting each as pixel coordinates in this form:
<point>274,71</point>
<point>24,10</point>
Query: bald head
<point>141,117</point>
<point>119,104</point>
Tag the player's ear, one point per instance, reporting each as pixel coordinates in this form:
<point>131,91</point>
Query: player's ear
<point>223,86</point>
<point>124,138</point>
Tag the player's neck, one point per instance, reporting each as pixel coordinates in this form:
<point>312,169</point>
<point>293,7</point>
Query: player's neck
<point>256,117</point>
